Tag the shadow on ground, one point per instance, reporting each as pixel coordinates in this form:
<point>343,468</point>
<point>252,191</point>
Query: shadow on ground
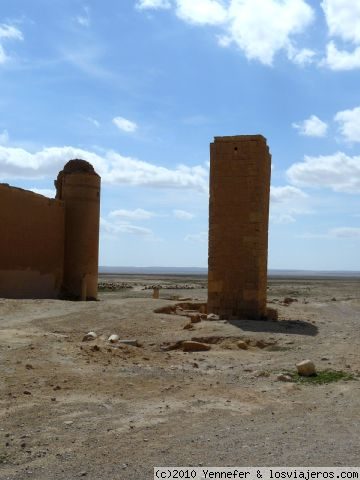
<point>296,327</point>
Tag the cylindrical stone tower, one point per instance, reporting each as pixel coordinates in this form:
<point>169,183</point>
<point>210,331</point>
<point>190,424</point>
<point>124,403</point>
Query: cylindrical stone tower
<point>240,169</point>
<point>78,185</point>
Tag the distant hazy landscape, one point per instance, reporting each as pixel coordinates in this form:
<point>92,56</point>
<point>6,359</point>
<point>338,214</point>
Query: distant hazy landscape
<point>203,271</point>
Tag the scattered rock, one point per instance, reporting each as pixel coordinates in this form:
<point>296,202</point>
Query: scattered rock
<point>283,378</point>
<point>114,286</point>
<point>261,344</point>
<point>272,314</point>
<point>289,300</point>
<point>133,343</point>
<point>212,317</point>
<point>188,326</point>
<point>68,422</point>
<point>172,346</point>
<point>259,373</point>
<point>333,299</point>
<point>26,392</point>
<point>113,338</point>
<point>243,345</point>
<point>306,368</point>
<point>195,318</point>
<point>28,366</point>
<point>192,346</point>
<point>89,336</point>
<point>95,348</point>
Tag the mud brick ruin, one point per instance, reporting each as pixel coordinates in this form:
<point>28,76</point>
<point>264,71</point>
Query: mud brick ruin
<point>240,168</point>
<point>49,247</point>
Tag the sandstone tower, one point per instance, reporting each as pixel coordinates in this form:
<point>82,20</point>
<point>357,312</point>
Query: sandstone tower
<point>78,185</point>
<point>240,168</point>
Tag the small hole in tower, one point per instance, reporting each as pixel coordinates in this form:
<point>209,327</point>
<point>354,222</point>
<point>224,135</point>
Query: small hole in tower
<point>235,149</point>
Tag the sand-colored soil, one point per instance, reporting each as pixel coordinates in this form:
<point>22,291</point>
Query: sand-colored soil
<point>71,409</point>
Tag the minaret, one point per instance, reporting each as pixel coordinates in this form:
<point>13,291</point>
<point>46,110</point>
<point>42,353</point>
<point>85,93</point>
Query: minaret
<point>78,186</point>
<point>240,170</point>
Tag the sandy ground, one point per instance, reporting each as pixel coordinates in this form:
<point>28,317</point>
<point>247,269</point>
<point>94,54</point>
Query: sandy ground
<point>71,409</point>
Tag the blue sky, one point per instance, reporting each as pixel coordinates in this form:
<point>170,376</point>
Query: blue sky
<point>140,88</point>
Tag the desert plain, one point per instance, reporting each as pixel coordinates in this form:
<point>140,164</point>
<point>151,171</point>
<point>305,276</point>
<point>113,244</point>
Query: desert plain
<point>99,410</point>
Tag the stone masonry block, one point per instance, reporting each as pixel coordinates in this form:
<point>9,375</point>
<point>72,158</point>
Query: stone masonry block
<point>240,168</point>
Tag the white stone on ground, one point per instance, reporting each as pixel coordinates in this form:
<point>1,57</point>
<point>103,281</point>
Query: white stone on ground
<point>89,336</point>
<point>306,368</point>
<point>113,338</point>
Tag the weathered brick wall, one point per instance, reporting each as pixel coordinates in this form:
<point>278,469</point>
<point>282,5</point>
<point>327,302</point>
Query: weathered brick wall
<point>31,244</point>
<point>240,168</point>
<point>49,247</point>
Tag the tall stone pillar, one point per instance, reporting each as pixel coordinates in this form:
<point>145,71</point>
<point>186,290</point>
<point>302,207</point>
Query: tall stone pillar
<point>78,185</point>
<point>240,168</point>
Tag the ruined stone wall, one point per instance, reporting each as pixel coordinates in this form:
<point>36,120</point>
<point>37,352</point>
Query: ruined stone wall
<point>240,169</point>
<point>49,247</point>
<point>31,244</point>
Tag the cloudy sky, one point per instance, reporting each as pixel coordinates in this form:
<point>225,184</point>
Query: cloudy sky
<point>140,88</point>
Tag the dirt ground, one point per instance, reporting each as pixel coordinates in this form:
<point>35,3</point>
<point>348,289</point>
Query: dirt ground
<point>71,409</point>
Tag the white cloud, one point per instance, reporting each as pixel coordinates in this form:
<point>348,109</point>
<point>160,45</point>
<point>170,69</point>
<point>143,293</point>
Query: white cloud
<point>286,203</point>
<point>201,237</point>
<point>201,12</point>
<point>349,124</point>
<point>334,233</point>
<point>261,29</point>
<point>183,215</point>
<point>124,124</point>
<point>113,168</point>
<point>286,194</point>
<point>93,121</point>
<point>84,20</point>
<point>8,32</point>
<point>4,137</point>
<point>19,163</point>
<point>47,192</point>
<point>301,57</point>
<point>152,4</point>
<point>137,214</point>
<point>343,19</point>
<point>341,59</point>
<point>126,170</point>
<point>88,59</point>
<point>338,172</point>
<point>345,232</point>
<point>3,56</point>
<point>285,218</point>
<point>312,127</point>
<point>115,229</point>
